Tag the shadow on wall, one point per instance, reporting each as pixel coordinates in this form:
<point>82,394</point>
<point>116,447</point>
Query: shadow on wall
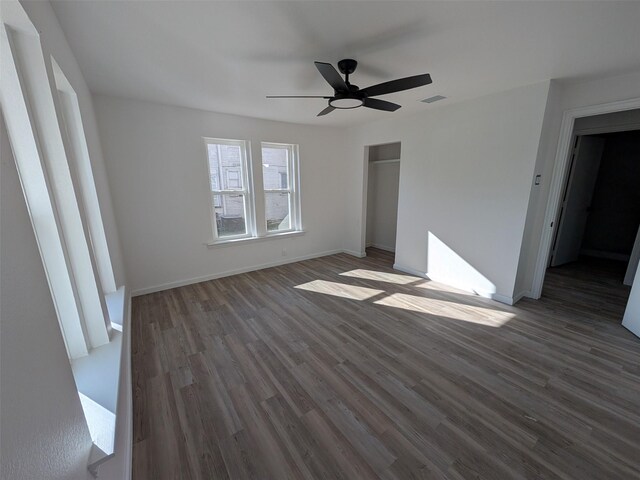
<point>446,266</point>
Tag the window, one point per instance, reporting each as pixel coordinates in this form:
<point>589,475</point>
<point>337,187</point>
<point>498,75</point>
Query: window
<point>234,202</point>
<point>281,193</point>
<point>229,175</point>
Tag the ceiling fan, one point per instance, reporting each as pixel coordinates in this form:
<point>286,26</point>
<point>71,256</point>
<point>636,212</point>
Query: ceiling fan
<point>346,95</point>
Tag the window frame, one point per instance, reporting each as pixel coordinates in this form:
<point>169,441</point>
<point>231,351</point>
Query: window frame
<point>293,172</point>
<point>247,190</point>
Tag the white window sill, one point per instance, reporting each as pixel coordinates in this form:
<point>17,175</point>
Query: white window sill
<point>245,240</point>
<point>98,380</point>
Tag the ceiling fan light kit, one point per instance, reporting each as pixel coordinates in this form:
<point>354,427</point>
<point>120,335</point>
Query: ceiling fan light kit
<point>345,102</point>
<point>347,96</point>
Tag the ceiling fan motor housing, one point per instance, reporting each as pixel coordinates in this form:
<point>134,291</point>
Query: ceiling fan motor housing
<point>350,98</point>
<point>347,66</point>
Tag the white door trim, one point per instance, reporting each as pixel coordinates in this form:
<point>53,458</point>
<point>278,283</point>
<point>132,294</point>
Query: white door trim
<point>365,202</point>
<point>558,178</point>
<point>609,129</point>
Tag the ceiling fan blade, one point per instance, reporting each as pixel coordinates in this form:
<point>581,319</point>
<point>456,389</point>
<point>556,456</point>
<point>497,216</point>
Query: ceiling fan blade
<point>296,96</point>
<point>329,109</point>
<point>380,104</point>
<point>332,76</point>
<point>397,85</point>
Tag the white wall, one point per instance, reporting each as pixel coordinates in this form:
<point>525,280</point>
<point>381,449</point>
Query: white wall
<point>157,171</point>
<point>382,205</point>
<point>465,178</point>
<point>538,194</point>
<point>563,96</point>
<point>55,44</point>
<point>43,432</point>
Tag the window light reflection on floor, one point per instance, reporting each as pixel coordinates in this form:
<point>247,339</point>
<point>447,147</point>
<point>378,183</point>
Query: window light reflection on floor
<point>381,276</point>
<point>343,290</point>
<point>493,317</point>
<point>467,313</point>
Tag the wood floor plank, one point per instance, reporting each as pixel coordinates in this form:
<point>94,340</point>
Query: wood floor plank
<point>342,368</point>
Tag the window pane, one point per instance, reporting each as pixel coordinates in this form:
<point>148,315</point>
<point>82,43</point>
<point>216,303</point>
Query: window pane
<point>275,168</point>
<point>277,211</point>
<point>225,166</point>
<point>229,213</point>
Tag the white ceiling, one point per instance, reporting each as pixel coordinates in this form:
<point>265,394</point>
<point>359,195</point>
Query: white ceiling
<point>226,56</point>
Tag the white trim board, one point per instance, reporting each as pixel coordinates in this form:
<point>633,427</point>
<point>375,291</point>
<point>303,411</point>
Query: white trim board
<point>351,252</point>
<point>119,464</point>
<point>228,273</point>
<point>493,296</point>
<point>382,247</point>
<point>516,298</point>
<point>558,179</point>
<point>624,127</point>
<point>377,162</point>
<point>124,435</point>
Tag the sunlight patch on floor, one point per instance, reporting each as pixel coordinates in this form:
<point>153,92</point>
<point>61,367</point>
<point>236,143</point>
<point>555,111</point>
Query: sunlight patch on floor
<point>343,290</point>
<point>441,287</point>
<point>381,276</point>
<point>453,310</point>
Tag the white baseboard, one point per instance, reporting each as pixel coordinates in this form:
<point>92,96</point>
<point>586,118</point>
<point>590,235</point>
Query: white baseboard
<point>520,296</point>
<point>228,273</point>
<point>493,296</point>
<point>402,268</point>
<point>500,298</point>
<point>382,247</point>
<point>353,253</point>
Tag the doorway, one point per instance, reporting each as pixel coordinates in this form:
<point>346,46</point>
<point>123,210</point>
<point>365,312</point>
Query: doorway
<point>595,251</point>
<point>383,180</point>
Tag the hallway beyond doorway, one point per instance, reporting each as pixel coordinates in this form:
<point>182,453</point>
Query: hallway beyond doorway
<point>590,287</point>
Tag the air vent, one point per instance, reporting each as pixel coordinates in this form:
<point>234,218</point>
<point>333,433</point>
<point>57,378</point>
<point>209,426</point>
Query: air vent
<point>435,98</point>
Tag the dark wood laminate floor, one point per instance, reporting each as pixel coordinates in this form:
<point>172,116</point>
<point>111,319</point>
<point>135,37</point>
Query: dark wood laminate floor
<point>590,286</point>
<point>343,368</point>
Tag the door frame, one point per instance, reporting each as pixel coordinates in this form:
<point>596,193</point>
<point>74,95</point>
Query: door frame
<point>365,200</point>
<point>559,178</point>
<point>365,194</point>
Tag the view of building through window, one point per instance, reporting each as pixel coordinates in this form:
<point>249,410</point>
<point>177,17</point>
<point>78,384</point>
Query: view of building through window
<point>276,177</point>
<point>232,195</point>
<point>226,180</point>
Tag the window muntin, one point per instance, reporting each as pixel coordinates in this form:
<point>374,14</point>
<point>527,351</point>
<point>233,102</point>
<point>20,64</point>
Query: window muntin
<point>279,165</point>
<point>233,179</point>
<point>231,206</point>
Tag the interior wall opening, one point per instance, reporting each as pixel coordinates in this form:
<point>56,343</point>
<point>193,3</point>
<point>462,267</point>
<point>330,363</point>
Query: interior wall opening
<point>383,182</point>
<point>596,248</point>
